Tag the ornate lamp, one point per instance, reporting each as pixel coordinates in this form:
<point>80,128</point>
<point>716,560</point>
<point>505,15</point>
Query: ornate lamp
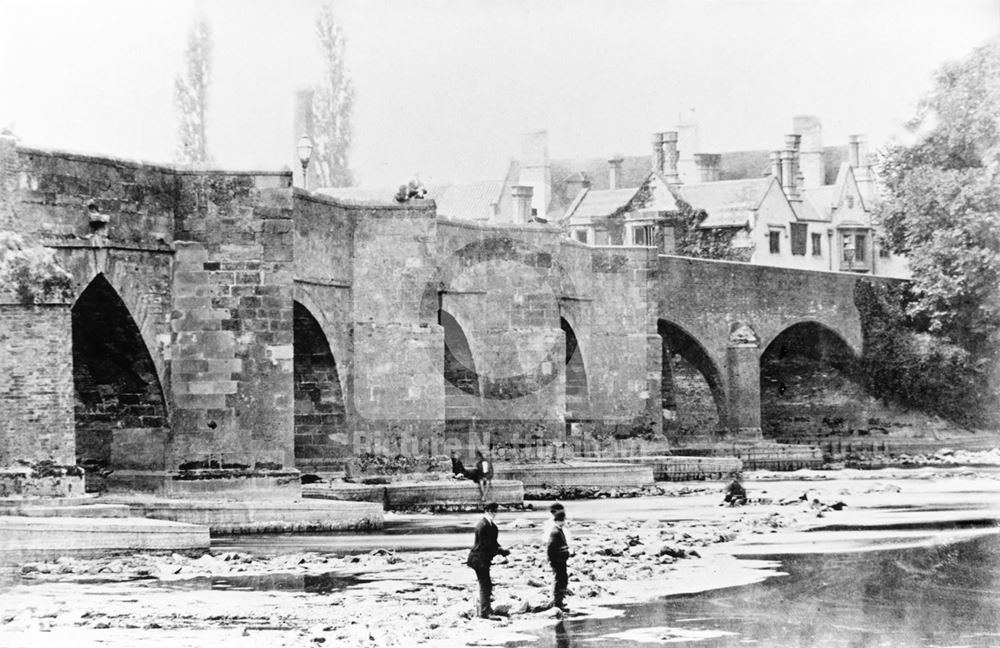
<point>304,148</point>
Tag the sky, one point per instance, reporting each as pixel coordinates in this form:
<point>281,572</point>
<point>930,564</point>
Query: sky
<point>446,88</point>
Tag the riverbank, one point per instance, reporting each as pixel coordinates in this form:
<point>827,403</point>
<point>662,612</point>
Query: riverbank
<point>626,551</point>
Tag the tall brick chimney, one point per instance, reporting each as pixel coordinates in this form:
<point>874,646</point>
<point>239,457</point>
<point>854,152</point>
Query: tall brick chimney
<point>670,157</point>
<point>708,166</point>
<point>522,195</point>
<point>854,150</point>
<point>776,165</point>
<point>810,161</point>
<point>614,172</point>
<point>792,143</point>
<point>788,174</point>
<point>658,160</point>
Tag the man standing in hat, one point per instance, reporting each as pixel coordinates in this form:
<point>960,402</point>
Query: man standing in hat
<point>558,551</point>
<point>484,548</point>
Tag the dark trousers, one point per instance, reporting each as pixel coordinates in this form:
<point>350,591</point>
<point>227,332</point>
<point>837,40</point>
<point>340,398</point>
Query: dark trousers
<point>561,582</point>
<point>485,590</point>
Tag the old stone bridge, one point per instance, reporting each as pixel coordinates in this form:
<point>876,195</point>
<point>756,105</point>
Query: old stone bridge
<point>231,317</point>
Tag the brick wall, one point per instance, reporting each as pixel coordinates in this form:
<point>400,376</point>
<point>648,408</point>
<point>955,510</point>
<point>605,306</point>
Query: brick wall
<point>36,384</point>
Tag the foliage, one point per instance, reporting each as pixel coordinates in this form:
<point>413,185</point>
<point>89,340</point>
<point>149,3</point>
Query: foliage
<point>714,243</point>
<point>191,96</point>
<point>333,101</point>
<point>941,202</point>
<point>904,365</point>
<point>31,271</point>
<point>410,191</point>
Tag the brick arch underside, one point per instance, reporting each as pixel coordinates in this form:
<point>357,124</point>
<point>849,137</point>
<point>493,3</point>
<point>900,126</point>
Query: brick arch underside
<point>322,437</point>
<point>462,390</point>
<point>120,408</point>
<point>691,387</point>
<point>809,384</point>
<point>576,371</point>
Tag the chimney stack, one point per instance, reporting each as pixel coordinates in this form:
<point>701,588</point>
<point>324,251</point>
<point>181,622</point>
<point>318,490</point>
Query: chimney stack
<point>614,172</point>
<point>854,150</point>
<point>670,157</point>
<point>788,174</point>
<point>659,164</point>
<point>776,165</point>
<point>810,151</point>
<point>522,203</point>
<point>708,166</point>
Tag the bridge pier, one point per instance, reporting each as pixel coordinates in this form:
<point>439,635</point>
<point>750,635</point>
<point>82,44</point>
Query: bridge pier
<point>743,377</point>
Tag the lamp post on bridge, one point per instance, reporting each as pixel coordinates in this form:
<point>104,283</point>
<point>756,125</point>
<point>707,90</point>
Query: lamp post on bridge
<point>304,148</point>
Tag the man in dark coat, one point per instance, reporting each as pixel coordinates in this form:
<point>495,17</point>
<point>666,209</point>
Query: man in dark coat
<point>484,548</point>
<point>558,556</point>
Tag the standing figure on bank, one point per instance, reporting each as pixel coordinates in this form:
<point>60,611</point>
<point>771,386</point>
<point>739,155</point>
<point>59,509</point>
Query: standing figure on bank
<point>485,547</point>
<point>558,557</point>
<point>482,473</point>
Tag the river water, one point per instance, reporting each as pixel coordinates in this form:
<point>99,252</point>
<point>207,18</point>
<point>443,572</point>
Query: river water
<point>939,595</point>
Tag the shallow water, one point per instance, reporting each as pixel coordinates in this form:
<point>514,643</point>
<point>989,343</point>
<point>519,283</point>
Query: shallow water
<point>931,596</point>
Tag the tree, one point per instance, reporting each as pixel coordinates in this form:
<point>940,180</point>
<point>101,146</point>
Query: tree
<point>941,202</point>
<point>191,96</point>
<point>332,103</point>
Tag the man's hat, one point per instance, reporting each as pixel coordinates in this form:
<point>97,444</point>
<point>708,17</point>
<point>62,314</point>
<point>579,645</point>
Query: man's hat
<point>491,507</point>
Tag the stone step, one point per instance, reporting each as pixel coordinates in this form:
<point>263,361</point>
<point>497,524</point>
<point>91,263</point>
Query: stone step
<point>268,516</point>
<point>399,495</point>
<point>29,537</point>
<point>78,510</point>
<point>577,475</point>
<point>687,468</point>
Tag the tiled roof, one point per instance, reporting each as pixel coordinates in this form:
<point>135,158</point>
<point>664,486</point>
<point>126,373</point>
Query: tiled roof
<point>473,201</point>
<point>817,203</point>
<point>729,203</point>
<point>364,194</point>
<point>600,204</point>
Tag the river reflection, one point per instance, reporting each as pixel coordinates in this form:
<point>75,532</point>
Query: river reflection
<point>936,596</point>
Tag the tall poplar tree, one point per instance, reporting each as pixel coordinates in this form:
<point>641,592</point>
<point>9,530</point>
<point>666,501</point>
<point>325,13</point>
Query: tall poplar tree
<point>332,103</point>
<point>191,96</point>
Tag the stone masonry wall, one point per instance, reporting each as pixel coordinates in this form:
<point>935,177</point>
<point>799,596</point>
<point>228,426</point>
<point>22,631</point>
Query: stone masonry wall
<point>625,348</point>
<point>55,188</point>
<point>324,269</point>
<point>503,285</point>
<point>398,388</point>
<point>36,384</point>
<point>232,320</point>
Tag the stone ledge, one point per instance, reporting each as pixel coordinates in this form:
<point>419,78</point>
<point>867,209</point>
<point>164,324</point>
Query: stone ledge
<point>445,494</point>
<point>273,516</point>
<point>687,468</point>
<point>51,510</point>
<point>28,536</point>
<point>214,484</point>
<point>596,475</point>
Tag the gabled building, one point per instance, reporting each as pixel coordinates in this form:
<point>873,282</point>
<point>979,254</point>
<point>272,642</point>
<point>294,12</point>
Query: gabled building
<point>795,212</point>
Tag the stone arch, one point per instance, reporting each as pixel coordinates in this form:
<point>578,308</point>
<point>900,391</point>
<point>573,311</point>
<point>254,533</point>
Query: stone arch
<point>121,413</point>
<point>809,383</point>
<point>146,293</point>
<point>851,339</point>
<point>577,393</point>
<point>322,439</point>
<point>692,390</point>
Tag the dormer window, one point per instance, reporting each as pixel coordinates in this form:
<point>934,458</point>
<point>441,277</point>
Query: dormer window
<point>850,201</point>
